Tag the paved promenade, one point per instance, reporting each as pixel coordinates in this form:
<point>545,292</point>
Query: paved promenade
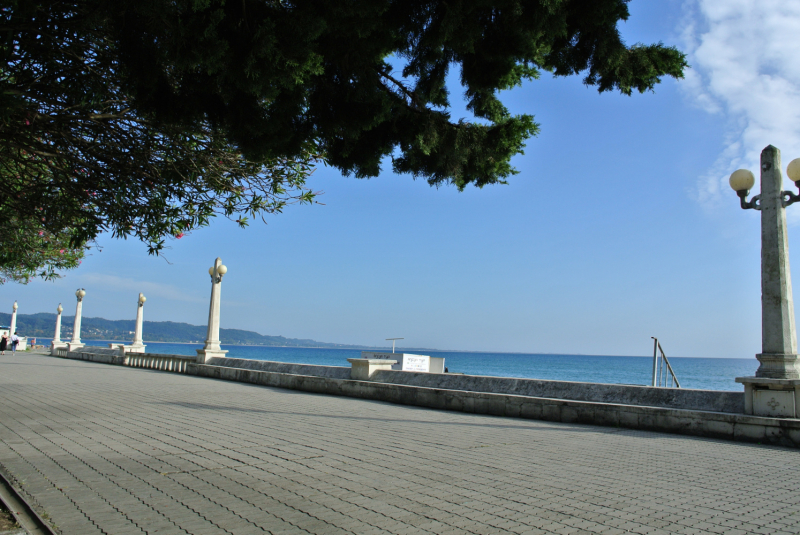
<point>106,449</point>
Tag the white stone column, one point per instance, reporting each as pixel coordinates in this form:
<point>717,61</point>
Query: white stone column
<point>57,336</point>
<point>57,343</point>
<point>13,327</point>
<point>75,343</point>
<point>773,390</point>
<point>778,355</point>
<point>138,343</point>
<point>212,348</point>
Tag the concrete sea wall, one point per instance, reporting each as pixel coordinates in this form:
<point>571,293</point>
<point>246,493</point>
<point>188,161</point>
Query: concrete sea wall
<point>336,372</point>
<point>703,400</point>
<point>693,412</point>
<point>742,427</point>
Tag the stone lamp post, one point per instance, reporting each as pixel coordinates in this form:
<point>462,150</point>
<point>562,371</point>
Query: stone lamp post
<point>75,343</point>
<point>57,343</point>
<point>13,327</point>
<point>138,344</point>
<point>211,348</point>
<point>775,389</point>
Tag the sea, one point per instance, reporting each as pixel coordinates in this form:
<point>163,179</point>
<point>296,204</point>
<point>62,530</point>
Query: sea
<point>696,373</point>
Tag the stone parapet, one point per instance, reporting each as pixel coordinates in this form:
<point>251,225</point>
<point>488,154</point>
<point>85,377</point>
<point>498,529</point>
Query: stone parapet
<point>113,355</point>
<point>673,398</point>
<point>116,355</point>
<point>704,400</point>
<point>337,372</point>
<point>741,427</point>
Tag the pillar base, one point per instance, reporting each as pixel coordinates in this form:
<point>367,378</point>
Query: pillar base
<point>776,398</point>
<point>363,369</point>
<point>72,346</point>
<point>203,355</point>
<point>777,366</point>
<point>56,345</point>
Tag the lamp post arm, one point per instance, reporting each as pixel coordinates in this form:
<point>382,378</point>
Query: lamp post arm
<point>787,198</point>
<point>754,203</point>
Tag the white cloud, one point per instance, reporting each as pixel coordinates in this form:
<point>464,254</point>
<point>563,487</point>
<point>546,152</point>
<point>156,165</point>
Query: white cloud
<point>745,57</point>
<point>114,283</point>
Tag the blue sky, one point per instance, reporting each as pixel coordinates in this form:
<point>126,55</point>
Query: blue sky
<point>619,227</point>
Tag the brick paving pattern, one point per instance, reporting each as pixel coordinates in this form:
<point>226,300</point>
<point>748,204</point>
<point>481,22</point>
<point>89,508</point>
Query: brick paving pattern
<point>106,449</point>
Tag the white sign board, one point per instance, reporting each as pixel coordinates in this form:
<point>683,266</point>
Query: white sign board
<point>408,362</point>
<point>416,363</point>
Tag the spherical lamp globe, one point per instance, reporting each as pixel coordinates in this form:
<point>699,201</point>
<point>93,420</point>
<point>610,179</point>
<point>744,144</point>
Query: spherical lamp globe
<point>211,271</point>
<point>60,309</point>
<point>222,269</point>
<point>793,170</point>
<point>81,292</point>
<point>142,298</point>
<point>742,180</point>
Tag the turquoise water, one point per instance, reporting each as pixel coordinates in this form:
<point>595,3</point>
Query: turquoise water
<point>708,374</point>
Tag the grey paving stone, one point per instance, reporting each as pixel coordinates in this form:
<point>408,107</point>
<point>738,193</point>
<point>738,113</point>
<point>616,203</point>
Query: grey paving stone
<point>134,451</point>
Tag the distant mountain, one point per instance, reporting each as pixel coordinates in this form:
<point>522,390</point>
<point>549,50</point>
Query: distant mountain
<point>43,324</point>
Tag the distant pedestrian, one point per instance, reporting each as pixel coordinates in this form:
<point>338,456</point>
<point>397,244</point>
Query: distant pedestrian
<point>14,342</point>
<point>3,344</point>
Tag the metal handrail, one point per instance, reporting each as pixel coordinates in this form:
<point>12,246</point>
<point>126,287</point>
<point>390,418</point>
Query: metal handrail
<point>662,369</point>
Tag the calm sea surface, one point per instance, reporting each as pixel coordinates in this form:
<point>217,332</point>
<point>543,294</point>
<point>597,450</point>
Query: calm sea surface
<point>710,374</point>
